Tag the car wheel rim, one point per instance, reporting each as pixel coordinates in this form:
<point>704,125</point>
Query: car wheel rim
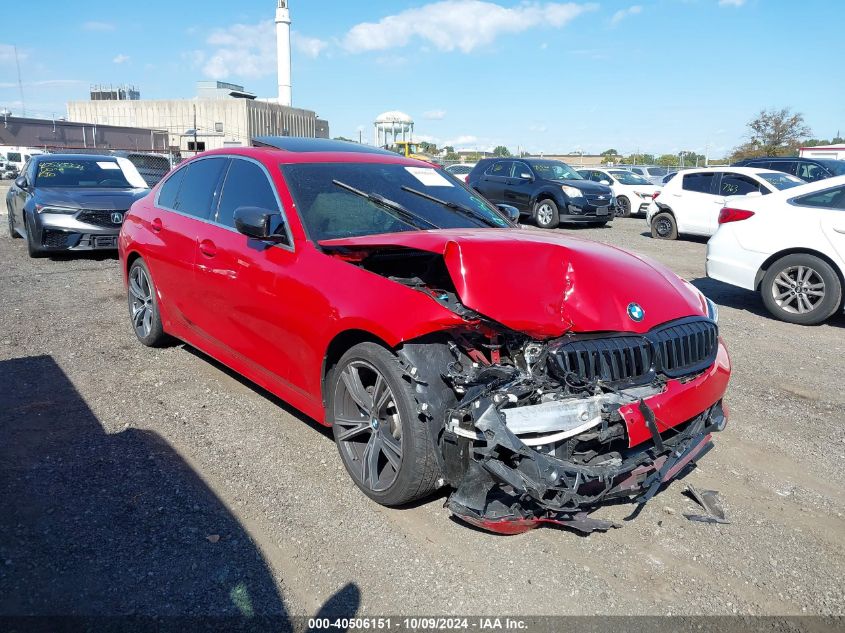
<point>798,289</point>
<point>368,426</point>
<point>621,207</point>
<point>141,301</point>
<point>663,227</point>
<point>544,214</point>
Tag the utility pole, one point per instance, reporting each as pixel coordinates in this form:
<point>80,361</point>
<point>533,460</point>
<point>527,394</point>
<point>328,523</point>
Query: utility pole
<point>20,83</point>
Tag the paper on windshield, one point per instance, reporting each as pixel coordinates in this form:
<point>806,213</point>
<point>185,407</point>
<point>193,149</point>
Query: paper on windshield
<point>429,177</point>
<point>108,165</point>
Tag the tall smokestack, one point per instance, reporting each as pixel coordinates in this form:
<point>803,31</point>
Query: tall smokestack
<point>283,52</point>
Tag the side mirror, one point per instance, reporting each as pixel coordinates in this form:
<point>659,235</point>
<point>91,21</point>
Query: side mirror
<point>526,176</point>
<point>604,182</point>
<point>511,213</point>
<point>20,182</point>
<point>260,224</point>
<point>754,194</point>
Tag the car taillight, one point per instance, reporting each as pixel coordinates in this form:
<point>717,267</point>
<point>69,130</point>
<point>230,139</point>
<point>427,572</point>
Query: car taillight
<point>656,193</point>
<point>733,215</point>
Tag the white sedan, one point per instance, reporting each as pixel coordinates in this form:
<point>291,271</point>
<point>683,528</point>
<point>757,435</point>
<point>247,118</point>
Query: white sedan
<point>691,201</point>
<point>633,193</point>
<point>789,246</point>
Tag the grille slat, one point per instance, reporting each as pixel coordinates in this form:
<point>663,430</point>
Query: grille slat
<point>676,349</point>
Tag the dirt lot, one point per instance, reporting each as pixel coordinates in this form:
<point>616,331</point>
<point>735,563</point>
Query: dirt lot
<point>156,482</point>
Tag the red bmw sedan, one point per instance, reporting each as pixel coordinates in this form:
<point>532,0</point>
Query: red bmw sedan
<point>536,375</point>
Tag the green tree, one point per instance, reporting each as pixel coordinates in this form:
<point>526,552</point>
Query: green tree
<point>451,156</point>
<point>449,149</point>
<point>609,152</point>
<point>773,133</point>
<point>501,151</point>
<point>428,148</point>
<point>667,160</point>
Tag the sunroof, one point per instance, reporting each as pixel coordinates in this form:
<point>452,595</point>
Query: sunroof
<point>299,144</point>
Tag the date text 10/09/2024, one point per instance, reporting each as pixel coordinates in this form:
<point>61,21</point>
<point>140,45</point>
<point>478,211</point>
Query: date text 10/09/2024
<point>418,624</point>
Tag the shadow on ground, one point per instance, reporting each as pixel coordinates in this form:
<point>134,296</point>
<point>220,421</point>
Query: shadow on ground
<point>120,525</point>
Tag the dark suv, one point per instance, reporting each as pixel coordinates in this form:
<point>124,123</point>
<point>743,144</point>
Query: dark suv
<point>809,169</point>
<point>549,191</point>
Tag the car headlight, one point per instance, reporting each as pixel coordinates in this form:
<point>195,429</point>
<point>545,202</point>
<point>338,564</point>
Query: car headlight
<point>712,310</point>
<point>572,192</point>
<point>48,209</point>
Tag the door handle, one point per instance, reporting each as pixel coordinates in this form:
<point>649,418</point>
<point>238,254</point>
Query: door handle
<point>156,225</point>
<point>839,229</point>
<point>208,248</point>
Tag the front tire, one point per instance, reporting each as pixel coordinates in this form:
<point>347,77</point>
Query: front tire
<point>623,207</point>
<point>382,440</point>
<point>546,214</point>
<point>143,306</point>
<point>802,289</point>
<point>664,227</point>
<point>32,248</point>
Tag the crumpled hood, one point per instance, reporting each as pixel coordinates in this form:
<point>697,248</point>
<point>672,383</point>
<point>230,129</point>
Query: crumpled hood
<point>94,199</point>
<point>545,284</point>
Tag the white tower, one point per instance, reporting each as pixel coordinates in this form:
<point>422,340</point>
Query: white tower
<point>283,52</point>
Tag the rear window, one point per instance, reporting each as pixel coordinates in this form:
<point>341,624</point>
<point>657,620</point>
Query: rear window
<point>14,157</point>
<point>700,183</point>
<point>830,199</point>
<point>836,167</point>
<point>781,181</point>
<point>657,171</point>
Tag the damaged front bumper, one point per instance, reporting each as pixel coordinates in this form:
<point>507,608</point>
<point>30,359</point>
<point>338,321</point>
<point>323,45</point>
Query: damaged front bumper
<point>511,484</point>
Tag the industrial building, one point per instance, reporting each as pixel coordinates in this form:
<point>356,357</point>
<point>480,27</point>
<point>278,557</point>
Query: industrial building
<point>55,134</point>
<point>222,114</point>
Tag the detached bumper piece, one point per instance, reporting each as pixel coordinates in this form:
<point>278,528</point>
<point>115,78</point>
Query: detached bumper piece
<point>510,488</point>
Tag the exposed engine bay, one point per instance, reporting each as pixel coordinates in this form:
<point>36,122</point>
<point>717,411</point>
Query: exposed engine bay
<point>533,431</point>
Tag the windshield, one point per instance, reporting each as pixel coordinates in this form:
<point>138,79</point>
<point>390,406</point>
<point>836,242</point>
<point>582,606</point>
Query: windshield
<point>628,178</point>
<point>655,171</point>
<point>330,206</point>
<point>82,174</point>
<point>835,166</point>
<point>555,170</point>
<point>782,181</point>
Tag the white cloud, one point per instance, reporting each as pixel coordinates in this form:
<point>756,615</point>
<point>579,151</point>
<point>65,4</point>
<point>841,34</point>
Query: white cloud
<point>459,24</point>
<point>434,115</point>
<point>7,54</point>
<point>308,46</point>
<point>98,26</point>
<point>461,141</point>
<point>121,59</point>
<point>45,83</point>
<point>624,13</point>
<point>248,51</point>
<point>731,3</point>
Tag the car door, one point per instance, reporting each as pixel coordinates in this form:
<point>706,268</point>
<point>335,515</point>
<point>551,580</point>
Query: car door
<point>519,189</point>
<point>245,308</point>
<point>693,202</point>
<point>492,182</point>
<point>183,205</point>
<point>829,205</point>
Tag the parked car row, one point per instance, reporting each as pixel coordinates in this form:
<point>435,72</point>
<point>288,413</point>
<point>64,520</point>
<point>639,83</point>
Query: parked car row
<point>535,374</point>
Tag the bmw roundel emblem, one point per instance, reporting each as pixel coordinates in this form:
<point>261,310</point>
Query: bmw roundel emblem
<point>636,312</point>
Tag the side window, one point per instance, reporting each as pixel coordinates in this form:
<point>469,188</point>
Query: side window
<point>599,176</point>
<point>700,183</point>
<point>246,185</point>
<point>738,185</point>
<point>520,168</point>
<point>199,186</point>
<point>786,166</point>
<point>810,172</point>
<point>637,170</point>
<point>829,199</point>
<point>170,189</point>
<point>501,168</point>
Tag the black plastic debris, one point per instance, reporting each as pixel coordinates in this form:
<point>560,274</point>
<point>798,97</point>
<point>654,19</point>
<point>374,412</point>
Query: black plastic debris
<point>709,500</point>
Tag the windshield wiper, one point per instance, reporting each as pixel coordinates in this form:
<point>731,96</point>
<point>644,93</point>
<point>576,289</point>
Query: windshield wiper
<point>454,206</point>
<point>393,208</point>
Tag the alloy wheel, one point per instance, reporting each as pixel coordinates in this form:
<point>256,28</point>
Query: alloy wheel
<point>623,208</point>
<point>140,290</point>
<point>798,289</point>
<point>369,426</point>
<point>544,214</point>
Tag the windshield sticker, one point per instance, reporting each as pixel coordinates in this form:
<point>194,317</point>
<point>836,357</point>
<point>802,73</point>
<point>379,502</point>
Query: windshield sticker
<point>105,165</point>
<point>428,176</point>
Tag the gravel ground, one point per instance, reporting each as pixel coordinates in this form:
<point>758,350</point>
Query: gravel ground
<point>156,482</point>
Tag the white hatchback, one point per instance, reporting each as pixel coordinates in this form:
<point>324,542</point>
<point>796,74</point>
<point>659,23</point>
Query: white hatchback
<point>691,201</point>
<point>789,246</point>
<point>633,193</point>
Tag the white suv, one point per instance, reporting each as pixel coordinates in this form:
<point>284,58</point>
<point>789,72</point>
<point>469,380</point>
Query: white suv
<point>691,201</point>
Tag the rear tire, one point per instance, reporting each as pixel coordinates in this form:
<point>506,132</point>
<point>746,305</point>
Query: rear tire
<point>382,440</point>
<point>664,227</point>
<point>623,207</point>
<point>12,232</point>
<point>801,289</point>
<point>143,306</point>
<point>546,214</point>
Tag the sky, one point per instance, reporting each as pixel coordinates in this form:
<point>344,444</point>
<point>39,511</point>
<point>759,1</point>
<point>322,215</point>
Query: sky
<point>651,76</point>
